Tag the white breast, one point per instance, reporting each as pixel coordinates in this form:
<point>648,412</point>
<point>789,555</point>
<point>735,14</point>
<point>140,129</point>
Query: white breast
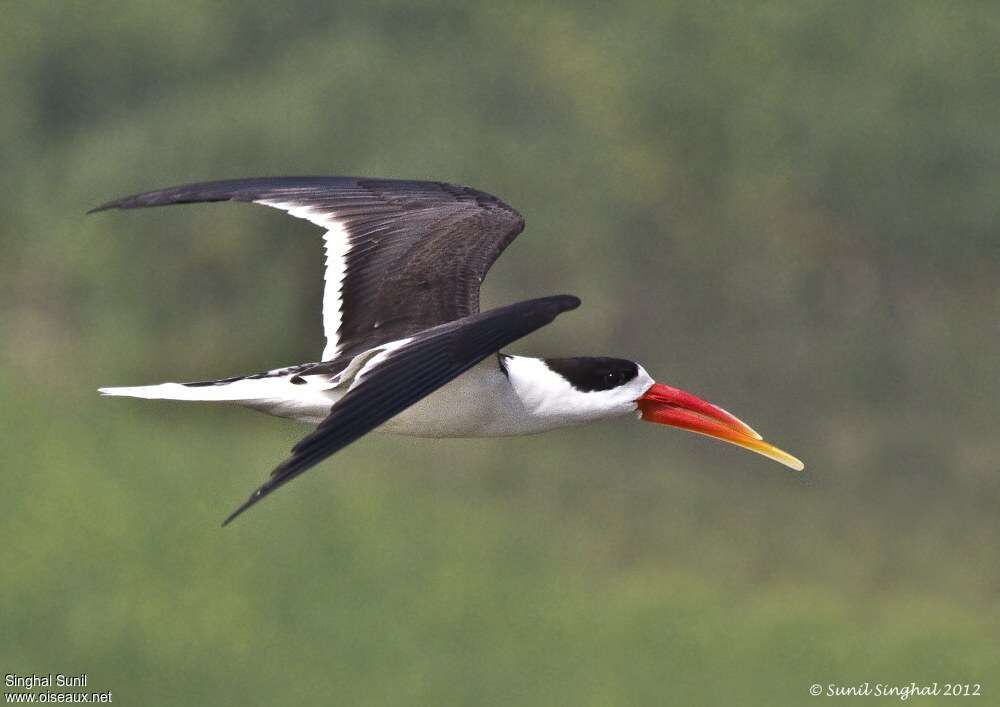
<point>527,399</point>
<point>479,403</point>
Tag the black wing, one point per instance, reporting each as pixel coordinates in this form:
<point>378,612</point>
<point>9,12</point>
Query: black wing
<point>415,252</point>
<point>410,373</point>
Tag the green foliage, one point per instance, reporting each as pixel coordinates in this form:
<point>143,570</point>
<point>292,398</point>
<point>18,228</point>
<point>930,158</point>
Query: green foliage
<point>785,207</point>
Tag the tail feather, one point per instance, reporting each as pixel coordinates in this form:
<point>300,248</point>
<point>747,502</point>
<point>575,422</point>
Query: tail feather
<point>278,384</point>
<point>231,391</point>
<point>303,398</point>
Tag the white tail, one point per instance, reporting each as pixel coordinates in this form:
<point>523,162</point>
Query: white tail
<point>309,399</point>
<point>238,390</point>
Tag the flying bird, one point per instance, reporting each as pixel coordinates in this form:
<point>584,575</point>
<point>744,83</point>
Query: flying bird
<point>407,349</point>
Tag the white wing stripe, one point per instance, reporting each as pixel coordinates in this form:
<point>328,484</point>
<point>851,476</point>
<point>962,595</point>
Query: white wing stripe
<point>372,362</point>
<point>337,243</point>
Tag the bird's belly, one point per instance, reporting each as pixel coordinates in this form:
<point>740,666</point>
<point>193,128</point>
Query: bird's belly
<point>312,409</point>
<point>479,403</point>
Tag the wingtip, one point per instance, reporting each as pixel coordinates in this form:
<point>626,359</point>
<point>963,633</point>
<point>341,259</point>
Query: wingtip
<point>254,497</point>
<point>232,516</point>
<point>566,302</point>
<point>104,207</point>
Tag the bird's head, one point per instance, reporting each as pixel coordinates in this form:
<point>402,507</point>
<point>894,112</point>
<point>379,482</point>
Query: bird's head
<point>617,386</point>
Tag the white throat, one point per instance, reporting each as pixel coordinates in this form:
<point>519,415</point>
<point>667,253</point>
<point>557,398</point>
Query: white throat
<point>549,397</point>
<point>526,397</point>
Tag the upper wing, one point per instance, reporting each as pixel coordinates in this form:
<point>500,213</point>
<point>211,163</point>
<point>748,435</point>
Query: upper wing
<point>408,373</point>
<point>401,256</point>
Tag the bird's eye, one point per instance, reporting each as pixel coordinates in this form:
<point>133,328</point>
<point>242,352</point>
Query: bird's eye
<point>612,378</point>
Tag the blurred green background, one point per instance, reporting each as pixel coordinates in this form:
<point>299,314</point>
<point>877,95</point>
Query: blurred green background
<point>789,208</point>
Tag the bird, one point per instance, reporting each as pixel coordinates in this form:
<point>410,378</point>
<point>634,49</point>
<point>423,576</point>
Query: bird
<point>408,350</point>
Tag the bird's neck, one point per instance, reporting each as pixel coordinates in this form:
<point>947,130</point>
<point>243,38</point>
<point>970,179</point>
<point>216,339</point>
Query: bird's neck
<point>546,395</point>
